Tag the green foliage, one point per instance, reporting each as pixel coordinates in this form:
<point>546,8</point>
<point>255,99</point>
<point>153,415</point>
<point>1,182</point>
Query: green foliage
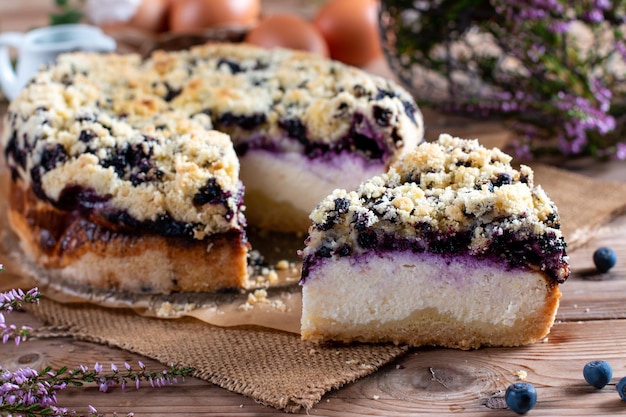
<point>68,12</point>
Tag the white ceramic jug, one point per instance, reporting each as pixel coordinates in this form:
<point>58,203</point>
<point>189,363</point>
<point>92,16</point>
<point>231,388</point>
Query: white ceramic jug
<point>40,47</point>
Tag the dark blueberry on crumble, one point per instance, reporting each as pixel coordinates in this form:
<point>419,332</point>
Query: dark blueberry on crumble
<point>382,116</point>
<point>52,155</point>
<point>368,146</point>
<point>86,136</point>
<point>12,150</point>
<point>502,179</point>
<point>295,129</point>
<point>342,205</point>
<point>233,66</point>
<point>87,117</point>
<point>167,226</point>
<point>324,252</point>
<point>172,92</point>
<point>133,159</point>
<point>242,121</point>
<point>410,109</point>
<point>343,106</point>
<point>382,93</point>
<point>553,220</point>
<point>210,193</point>
<point>361,223</point>
<point>367,239</point>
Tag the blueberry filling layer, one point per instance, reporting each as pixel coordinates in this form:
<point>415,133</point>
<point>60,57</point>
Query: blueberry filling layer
<point>92,221</point>
<point>88,204</point>
<point>544,253</point>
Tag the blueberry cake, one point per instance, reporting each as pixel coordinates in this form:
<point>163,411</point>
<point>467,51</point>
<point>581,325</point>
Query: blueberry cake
<point>301,125</point>
<point>451,247</point>
<point>126,173</point>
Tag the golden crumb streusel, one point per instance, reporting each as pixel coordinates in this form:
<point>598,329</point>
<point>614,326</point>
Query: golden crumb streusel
<point>451,196</point>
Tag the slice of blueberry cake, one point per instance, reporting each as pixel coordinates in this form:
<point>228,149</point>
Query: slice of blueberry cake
<point>451,247</point>
<point>112,190</point>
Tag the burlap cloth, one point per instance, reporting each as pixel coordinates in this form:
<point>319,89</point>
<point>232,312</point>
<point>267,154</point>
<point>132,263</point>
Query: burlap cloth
<point>277,368</point>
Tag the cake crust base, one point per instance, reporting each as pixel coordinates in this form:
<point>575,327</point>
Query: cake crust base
<point>426,300</point>
<point>79,252</point>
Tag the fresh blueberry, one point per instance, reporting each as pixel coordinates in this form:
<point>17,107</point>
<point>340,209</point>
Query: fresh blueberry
<point>521,397</point>
<point>604,258</point>
<point>598,373</point>
<point>621,388</point>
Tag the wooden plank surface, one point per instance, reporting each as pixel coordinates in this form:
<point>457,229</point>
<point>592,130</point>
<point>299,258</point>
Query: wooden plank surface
<point>591,324</point>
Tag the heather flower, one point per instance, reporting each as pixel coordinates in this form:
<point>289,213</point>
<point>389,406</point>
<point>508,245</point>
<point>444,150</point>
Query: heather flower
<point>8,302</point>
<point>16,297</point>
<point>593,16</point>
<point>620,153</point>
<point>559,27</point>
<point>28,392</point>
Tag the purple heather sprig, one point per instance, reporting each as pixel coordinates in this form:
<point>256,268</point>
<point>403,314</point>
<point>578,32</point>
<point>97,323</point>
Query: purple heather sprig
<point>14,298</point>
<point>29,393</point>
<point>9,301</point>
<point>568,87</point>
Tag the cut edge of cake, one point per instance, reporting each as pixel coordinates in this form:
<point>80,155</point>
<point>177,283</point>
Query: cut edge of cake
<point>410,299</point>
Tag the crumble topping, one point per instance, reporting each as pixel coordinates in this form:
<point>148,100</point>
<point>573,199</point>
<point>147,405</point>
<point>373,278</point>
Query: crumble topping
<point>133,140</point>
<point>451,196</point>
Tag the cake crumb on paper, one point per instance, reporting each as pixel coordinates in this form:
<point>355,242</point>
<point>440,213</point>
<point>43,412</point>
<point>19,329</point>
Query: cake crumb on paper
<point>260,297</point>
<point>272,277</point>
<point>246,306</point>
<point>168,309</point>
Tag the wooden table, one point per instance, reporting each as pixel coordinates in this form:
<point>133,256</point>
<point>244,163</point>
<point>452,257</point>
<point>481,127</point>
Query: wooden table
<point>591,324</point>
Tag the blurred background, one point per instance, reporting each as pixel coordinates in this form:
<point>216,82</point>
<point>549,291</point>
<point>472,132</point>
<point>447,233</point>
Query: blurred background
<point>545,80</point>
